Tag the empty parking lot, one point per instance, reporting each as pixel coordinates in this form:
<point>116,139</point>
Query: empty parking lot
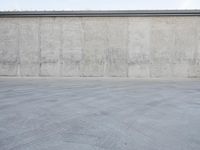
<point>99,114</point>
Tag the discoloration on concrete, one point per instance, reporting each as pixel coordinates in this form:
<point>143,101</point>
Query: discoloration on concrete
<point>94,47</point>
<point>117,50</point>
<point>99,114</point>
<point>72,50</point>
<point>50,46</point>
<point>139,59</point>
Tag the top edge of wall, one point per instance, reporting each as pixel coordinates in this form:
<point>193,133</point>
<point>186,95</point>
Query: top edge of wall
<point>109,13</point>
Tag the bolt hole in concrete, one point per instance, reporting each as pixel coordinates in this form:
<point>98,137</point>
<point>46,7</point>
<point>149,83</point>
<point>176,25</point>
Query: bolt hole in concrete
<point>98,114</point>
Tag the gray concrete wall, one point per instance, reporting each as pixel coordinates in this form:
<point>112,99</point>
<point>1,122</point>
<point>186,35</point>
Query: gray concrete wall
<point>139,47</point>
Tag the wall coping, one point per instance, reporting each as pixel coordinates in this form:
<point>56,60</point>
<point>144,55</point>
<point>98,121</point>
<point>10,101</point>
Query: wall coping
<point>109,13</point>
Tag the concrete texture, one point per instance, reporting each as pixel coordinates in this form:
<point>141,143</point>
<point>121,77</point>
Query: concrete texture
<point>29,54</point>
<point>137,47</point>
<point>99,114</point>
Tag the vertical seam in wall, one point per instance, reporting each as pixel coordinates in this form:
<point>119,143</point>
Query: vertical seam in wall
<point>61,49</point>
<point>39,45</point>
<point>197,40</point>
<point>150,48</point>
<point>127,48</point>
<point>195,55</point>
<point>18,47</point>
<point>198,47</point>
<point>107,48</point>
<point>173,48</point>
<point>83,45</point>
<point>107,59</point>
<point>54,29</point>
<point>82,48</point>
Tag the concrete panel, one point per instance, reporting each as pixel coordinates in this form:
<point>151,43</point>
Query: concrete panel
<point>50,45</point>
<point>29,47</point>
<point>198,38</point>
<point>138,47</point>
<point>197,54</point>
<point>9,46</point>
<point>185,31</point>
<point>116,64</point>
<point>72,34</point>
<point>186,44</point>
<point>94,46</point>
<point>161,47</point>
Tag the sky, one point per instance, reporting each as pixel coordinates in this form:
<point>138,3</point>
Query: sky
<point>6,5</point>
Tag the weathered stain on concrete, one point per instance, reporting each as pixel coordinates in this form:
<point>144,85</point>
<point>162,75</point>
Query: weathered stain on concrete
<point>99,114</point>
<point>139,47</point>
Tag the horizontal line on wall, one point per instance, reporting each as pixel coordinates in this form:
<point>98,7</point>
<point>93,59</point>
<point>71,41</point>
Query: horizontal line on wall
<point>111,13</point>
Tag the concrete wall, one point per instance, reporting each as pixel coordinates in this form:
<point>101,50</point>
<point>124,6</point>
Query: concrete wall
<point>139,47</point>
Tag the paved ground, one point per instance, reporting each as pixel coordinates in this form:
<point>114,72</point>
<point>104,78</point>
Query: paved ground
<point>99,114</point>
